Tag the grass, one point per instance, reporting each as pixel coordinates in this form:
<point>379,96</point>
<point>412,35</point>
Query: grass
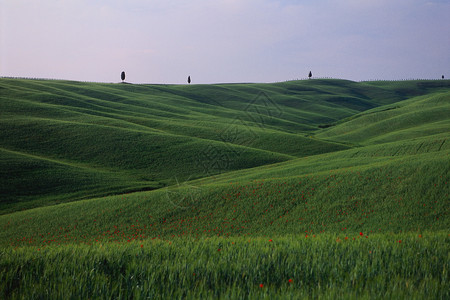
<point>329,266</point>
<point>412,118</point>
<point>340,187</point>
<point>399,195</point>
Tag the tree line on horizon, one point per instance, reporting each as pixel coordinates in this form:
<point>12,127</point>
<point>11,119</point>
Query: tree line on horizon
<point>310,75</point>
<point>122,76</point>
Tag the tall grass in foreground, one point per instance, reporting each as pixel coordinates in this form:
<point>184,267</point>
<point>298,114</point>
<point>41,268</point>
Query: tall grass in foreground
<point>408,266</point>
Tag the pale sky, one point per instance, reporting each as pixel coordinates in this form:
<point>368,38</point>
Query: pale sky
<point>220,41</point>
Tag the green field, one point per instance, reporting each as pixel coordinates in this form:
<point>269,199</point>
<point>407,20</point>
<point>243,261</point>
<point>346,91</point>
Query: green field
<point>302,189</point>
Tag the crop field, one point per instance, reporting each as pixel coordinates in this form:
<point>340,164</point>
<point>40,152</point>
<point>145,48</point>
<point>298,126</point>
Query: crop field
<point>329,266</point>
<point>307,189</point>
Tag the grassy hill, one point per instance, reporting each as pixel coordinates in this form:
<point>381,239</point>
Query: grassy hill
<point>315,188</point>
<point>114,138</point>
<point>63,141</point>
<point>389,188</point>
<point>408,119</point>
<point>98,139</point>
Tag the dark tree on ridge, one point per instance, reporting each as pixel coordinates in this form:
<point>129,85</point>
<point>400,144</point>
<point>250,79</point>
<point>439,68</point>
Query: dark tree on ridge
<point>122,76</point>
<point>310,75</point>
<point>189,79</point>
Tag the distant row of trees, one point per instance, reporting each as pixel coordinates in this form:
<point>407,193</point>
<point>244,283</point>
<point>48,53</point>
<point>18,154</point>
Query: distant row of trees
<point>406,79</point>
<point>122,76</point>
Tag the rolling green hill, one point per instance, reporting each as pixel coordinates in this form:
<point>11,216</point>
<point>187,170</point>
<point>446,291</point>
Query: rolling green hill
<point>408,119</point>
<point>369,190</point>
<point>107,139</point>
<point>63,141</point>
<point>98,139</point>
<point>305,189</point>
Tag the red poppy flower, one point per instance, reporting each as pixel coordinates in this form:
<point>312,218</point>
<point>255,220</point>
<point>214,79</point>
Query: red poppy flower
<point>270,240</point>
<point>261,285</point>
<point>360,233</point>
<point>290,280</point>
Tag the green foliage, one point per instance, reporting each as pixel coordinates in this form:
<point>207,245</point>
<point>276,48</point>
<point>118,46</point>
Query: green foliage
<point>328,266</point>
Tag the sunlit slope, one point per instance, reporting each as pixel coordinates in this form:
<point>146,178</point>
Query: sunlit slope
<point>372,189</point>
<point>416,117</point>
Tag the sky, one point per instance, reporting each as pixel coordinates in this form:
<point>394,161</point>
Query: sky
<point>224,41</point>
